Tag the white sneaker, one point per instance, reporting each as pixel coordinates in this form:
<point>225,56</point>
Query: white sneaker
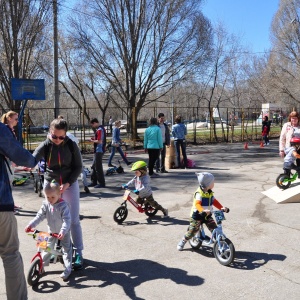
<point>65,274</point>
<point>181,245</point>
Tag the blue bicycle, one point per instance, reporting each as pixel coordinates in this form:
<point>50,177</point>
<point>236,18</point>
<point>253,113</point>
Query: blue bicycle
<point>223,248</point>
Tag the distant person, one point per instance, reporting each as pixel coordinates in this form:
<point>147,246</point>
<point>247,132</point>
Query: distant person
<point>83,172</point>
<point>165,133</point>
<point>266,130</point>
<point>203,203</point>
<point>57,213</point>
<point>16,287</point>
<point>289,130</point>
<point>110,123</point>
<point>99,150</point>
<point>153,144</point>
<point>10,119</point>
<point>141,182</point>
<point>64,165</point>
<point>116,145</point>
<point>179,132</point>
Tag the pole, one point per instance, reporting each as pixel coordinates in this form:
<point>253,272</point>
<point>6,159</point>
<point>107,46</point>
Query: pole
<point>55,46</point>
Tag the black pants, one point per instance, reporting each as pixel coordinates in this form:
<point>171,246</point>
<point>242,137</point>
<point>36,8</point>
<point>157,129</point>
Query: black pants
<point>97,169</point>
<point>180,144</point>
<point>153,156</point>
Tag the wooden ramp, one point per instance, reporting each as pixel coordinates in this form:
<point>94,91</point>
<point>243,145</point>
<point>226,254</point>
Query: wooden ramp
<point>290,195</point>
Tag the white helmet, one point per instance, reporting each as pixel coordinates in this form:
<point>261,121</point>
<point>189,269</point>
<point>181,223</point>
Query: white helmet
<point>205,179</point>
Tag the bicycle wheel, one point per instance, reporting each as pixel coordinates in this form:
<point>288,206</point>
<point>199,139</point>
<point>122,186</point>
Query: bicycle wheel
<point>150,211</point>
<point>224,252</point>
<point>120,214</point>
<point>34,273</point>
<point>35,185</point>
<point>281,183</point>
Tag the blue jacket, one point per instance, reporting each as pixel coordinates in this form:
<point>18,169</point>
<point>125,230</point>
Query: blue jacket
<point>153,138</point>
<point>11,148</point>
<point>179,131</point>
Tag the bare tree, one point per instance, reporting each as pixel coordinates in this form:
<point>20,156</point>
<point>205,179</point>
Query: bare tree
<point>22,42</point>
<point>141,46</point>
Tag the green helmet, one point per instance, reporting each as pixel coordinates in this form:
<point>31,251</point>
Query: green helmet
<point>138,165</point>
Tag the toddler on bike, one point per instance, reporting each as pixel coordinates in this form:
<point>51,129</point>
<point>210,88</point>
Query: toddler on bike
<point>291,154</point>
<point>141,181</point>
<point>202,207</point>
<point>58,216</point>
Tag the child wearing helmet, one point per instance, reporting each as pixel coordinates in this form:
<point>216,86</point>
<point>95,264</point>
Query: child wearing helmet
<point>203,201</point>
<point>291,154</point>
<point>141,181</point>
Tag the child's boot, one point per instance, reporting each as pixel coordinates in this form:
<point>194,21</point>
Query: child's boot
<point>181,245</point>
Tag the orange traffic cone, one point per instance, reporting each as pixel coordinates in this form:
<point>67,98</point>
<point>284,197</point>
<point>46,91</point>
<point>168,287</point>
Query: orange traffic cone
<point>246,146</point>
<point>261,144</point>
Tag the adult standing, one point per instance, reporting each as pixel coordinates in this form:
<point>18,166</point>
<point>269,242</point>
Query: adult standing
<point>10,119</point>
<point>266,130</point>
<point>15,282</point>
<point>153,144</point>
<point>289,129</point>
<point>72,137</point>
<point>64,165</point>
<point>116,145</point>
<point>165,133</point>
<point>99,149</point>
<point>179,132</point>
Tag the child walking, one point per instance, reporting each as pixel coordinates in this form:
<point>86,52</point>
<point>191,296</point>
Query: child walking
<point>58,216</point>
<point>141,181</point>
<point>202,207</point>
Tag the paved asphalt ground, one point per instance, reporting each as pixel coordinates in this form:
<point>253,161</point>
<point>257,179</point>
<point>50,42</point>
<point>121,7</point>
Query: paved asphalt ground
<point>139,259</point>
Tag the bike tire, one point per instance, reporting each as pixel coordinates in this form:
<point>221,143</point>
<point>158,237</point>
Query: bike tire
<point>120,214</point>
<point>40,189</point>
<point>280,183</point>
<point>34,275</point>
<point>35,185</point>
<point>226,256</point>
<point>150,211</point>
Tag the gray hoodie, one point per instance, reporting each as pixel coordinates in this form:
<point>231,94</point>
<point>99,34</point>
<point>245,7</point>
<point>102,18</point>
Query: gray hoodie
<point>58,217</point>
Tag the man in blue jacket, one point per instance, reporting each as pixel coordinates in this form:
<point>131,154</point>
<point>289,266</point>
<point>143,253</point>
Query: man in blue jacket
<point>16,287</point>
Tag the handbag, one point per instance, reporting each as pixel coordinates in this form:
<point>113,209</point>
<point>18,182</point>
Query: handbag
<point>115,144</point>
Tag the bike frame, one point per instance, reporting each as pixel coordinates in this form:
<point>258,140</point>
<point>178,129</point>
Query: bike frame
<point>55,252</point>
<point>128,198</point>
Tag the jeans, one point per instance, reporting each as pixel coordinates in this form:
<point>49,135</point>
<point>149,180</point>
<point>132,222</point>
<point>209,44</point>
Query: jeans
<point>266,139</point>
<point>160,163</point>
<point>180,144</point>
<point>113,151</point>
<point>16,287</point>
<point>71,196</point>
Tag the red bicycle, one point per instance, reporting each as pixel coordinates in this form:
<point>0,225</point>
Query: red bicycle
<point>121,212</point>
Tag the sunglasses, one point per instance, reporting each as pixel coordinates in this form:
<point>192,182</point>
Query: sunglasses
<point>55,137</point>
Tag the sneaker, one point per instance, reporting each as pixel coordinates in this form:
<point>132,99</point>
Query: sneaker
<point>154,175</point>
<point>98,186</point>
<point>165,213</point>
<point>78,264</point>
<point>268,144</point>
<point>181,245</point>
<point>16,212</point>
<point>164,171</point>
<point>17,207</point>
<point>86,189</point>
<point>65,274</point>
<point>129,163</point>
<point>111,166</point>
<point>92,184</point>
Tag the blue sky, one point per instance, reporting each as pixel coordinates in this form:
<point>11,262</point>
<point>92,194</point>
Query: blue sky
<point>248,19</point>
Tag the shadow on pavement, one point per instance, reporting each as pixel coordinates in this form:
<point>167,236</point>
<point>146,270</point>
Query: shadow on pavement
<point>129,275</point>
<point>253,260</point>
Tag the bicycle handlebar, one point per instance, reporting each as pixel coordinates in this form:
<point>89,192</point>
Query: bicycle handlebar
<point>34,231</point>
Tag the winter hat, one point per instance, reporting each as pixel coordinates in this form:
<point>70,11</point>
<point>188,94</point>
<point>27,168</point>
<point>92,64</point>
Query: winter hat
<point>205,179</point>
